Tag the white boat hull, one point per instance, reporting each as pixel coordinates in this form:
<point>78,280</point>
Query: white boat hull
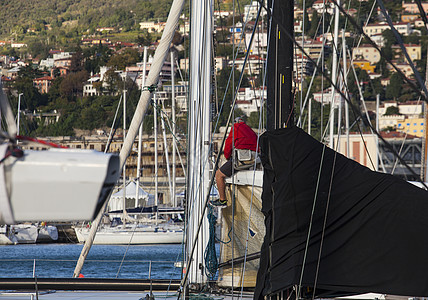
<point>145,236</point>
<point>47,234</point>
<point>23,234</point>
<point>4,236</point>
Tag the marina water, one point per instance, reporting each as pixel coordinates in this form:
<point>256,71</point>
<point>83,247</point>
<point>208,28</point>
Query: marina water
<point>103,261</point>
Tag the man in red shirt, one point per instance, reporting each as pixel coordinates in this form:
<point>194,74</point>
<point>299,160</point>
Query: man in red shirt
<point>244,138</point>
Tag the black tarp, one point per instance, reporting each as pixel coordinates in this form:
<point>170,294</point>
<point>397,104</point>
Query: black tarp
<point>376,234</point>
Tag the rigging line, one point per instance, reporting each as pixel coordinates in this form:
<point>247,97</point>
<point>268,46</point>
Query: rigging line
<point>310,223</point>
<point>368,118</point>
<point>403,49</point>
<point>354,109</point>
<point>252,198</point>
<point>325,220</point>
<point>299,122</point>
<point>232,73</point>
<point>365,24</point>
<point>110,136</point>
<point>361,31</point>
<point>164,116</point>
<point>182,283</point>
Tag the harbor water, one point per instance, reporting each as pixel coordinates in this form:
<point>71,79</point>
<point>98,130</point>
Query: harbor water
<point>103,261</point>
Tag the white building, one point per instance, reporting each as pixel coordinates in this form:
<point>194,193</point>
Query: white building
<point>250,11</point>
<point>410,109</point>
<point>378,28</point>
<point>248,99</point>
<point>259,45</point>
<point>326,96</point>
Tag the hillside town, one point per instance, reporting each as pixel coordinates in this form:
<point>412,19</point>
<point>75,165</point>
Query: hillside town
<point>100,65</point>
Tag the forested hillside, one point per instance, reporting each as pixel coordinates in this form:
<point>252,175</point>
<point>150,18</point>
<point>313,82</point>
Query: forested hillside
<point>18,16</point>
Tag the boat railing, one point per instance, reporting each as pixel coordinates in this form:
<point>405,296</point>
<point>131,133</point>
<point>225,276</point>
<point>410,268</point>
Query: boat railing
<point>94,268</point>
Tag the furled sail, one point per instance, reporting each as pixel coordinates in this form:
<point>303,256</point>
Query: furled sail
<point>376,225</point>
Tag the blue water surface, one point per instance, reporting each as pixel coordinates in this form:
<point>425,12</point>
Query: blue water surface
<point>103,261</point>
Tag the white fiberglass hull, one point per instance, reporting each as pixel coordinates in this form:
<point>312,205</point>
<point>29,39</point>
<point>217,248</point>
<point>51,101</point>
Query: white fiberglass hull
<point>23,234</point>
<point>47,234</point>
<point>4,236</point>
<point>140,236</point>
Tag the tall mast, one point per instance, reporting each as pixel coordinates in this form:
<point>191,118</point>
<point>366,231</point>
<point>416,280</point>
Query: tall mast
<point>140,135</point>
<point>280,66</point>
<point>198,176</point>
<point>334,72</point>
<point>174,141</point>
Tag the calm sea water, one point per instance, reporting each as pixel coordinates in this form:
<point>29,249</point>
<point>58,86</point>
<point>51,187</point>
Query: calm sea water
<point>103,261</point>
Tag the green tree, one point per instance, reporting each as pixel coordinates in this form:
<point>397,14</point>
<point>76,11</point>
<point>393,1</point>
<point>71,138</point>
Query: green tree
<point>395,86</point>
<point>392,110</point>
<point>72,84</point>
<point>122,60</point>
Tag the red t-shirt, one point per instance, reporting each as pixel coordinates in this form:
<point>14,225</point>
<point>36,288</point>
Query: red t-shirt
<point>245,138</point>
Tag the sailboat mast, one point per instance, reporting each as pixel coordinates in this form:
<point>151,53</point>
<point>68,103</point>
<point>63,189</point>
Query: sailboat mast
<point>334,72</point>
<point>124,166</point>
<point>280,67</point>
<point>140,135</point>
<point>199,132</point>
<point>174,142</point>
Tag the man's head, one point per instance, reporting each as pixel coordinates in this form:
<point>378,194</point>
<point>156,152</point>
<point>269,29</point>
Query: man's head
<point>238,119</point>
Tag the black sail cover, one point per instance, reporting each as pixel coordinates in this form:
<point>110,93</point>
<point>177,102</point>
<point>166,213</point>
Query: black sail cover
<point>376,230</point>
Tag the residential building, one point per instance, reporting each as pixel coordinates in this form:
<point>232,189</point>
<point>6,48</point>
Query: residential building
<point>253,66</point>
<point>402,66</point>
<point>43,84</point>
<point>47,63</point>
<point>410,109</point>
<point>152,26</point>
<point>325,97</point>
<point>364,65</point>
<point>259,45</point>
<point>62,62</point>
<point>313,48</point>
<point>89,89</point>
<point>250,11</point>
<point>13,73</point>
<point>18,45</point>
<point>412,7</point>
<point>46,118</point>
<point>323,6</point>
<point>414,126</point>
<point>248,99</point>
<point>222,13</point>
<point>414,51</point>
<point>409,18</point>
<point>390,121</point>
<point>402,28</point>
<point>366,52</point>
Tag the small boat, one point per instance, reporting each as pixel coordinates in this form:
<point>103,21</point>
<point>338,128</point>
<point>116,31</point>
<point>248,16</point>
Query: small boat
<point>133,234</point>
<point>4,236</point>
<point>23,234</point>
<point>47,233</point>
